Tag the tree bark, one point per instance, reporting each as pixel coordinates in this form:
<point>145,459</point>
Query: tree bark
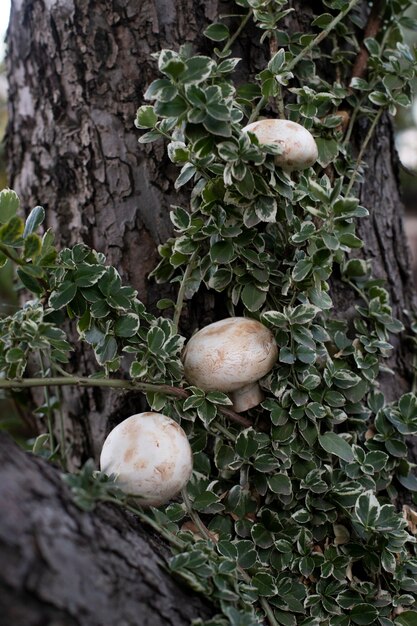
<point>77,73</point>
<point>62,566</point>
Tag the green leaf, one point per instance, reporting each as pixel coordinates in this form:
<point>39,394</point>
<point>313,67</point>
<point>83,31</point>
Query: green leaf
<point>186,174</point>
<point>363,614</point>
<point>170,64</point>
<point>264,584</point>
<point>146,117</point>
<point>359,83</point>
<point>29,282</point>
<point>12,231</point>
<point>127,325</point>
<point>198,68</point>
<point>408,406</point>
<point>335,444</point>
<point>87,275</point>
<point>252,297</point>
<point>219,398</point>
<point>407,618</point>
<point>9,205</point>
<point>14,354</point>
<point>153,135</point>
<point>217,32</point>
<point>379,98</point>
<point>217,127</point>
<point>178,152</point>
<point>349,239</point>
<point>280,483</point>
<point>34,220</point>
<point>138,370</point>
<point>303,314</point>
<point>277,61</point>
<point>106,350</point>
<point>301,270</point>
<point>328,150</point>
<point>63,295</point>
<point>173,108</point>
<point>266,208</point>
<point>205,501</point>
<point>409,482</point>
<point>320,298</point>
<point>222,252</point>
<point>32,246</point>
<point>367,509</point>
<point>155,339</point>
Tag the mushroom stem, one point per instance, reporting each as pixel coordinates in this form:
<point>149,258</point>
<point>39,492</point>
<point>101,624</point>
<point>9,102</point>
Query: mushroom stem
<point>246,397</point>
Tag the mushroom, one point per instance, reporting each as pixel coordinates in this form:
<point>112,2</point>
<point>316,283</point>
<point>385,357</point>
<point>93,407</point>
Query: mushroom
<point>299,149</point>
<point>151,457</point>
<point>231,356</point>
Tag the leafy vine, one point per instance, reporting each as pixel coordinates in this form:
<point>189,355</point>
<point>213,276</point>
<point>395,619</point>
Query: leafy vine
<point>288,516</point>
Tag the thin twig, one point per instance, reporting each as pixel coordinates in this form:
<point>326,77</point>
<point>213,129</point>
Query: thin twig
<point>357,290</point>
<point>303,53</point>
<point>181,291</point>
<point>127,385</point>
<point>237,32</point>
<point>324,33</point>
<point>196,519</point>
<point>363,149</point>
<point>48,405</point>
<point>170,537</point>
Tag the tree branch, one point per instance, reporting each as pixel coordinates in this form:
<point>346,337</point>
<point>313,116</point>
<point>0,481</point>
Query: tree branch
<point>127,385</point>
<point>371,30</point>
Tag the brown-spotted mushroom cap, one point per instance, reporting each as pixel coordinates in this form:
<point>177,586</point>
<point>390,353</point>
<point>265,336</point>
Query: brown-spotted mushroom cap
<point>231,356</point>
<point>151,457</point>
<point>299,149</point>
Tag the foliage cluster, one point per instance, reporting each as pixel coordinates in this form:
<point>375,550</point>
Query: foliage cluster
<point>289,519</point>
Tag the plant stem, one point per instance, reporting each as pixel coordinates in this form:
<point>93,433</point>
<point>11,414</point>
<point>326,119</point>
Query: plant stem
<point>237,32</point>
<point>358,291</point>
<point>321,36</point>
<point>114,383</point>
<point>224,430</point>
<point>414,385</point>
<point>181,292</point>
<point>351,124</point>
<point>280,104</point>
<point>147,520</point>
<point>255,113</point>
<point>363,149</point>
<point>262,601</point>
<point>268,611</point>
<point>61,424</point>
<point>194,516</point>
<point>315,42</point>
<point>48,405</point>
<point>204,531</point>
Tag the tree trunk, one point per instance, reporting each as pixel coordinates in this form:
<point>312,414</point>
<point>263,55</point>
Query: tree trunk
<point>77,72</point>
<point>67,567</point>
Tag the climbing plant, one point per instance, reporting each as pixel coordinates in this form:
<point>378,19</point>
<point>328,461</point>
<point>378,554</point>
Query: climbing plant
<point>289,515</point>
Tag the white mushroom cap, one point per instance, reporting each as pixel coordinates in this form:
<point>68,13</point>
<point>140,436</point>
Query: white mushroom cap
<point>230,356</point>
<point>299,149</point>
<point>151,456</point>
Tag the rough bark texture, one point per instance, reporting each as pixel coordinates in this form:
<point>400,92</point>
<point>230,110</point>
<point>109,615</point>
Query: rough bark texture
<point>77,71</point>
<point>65,567</point>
